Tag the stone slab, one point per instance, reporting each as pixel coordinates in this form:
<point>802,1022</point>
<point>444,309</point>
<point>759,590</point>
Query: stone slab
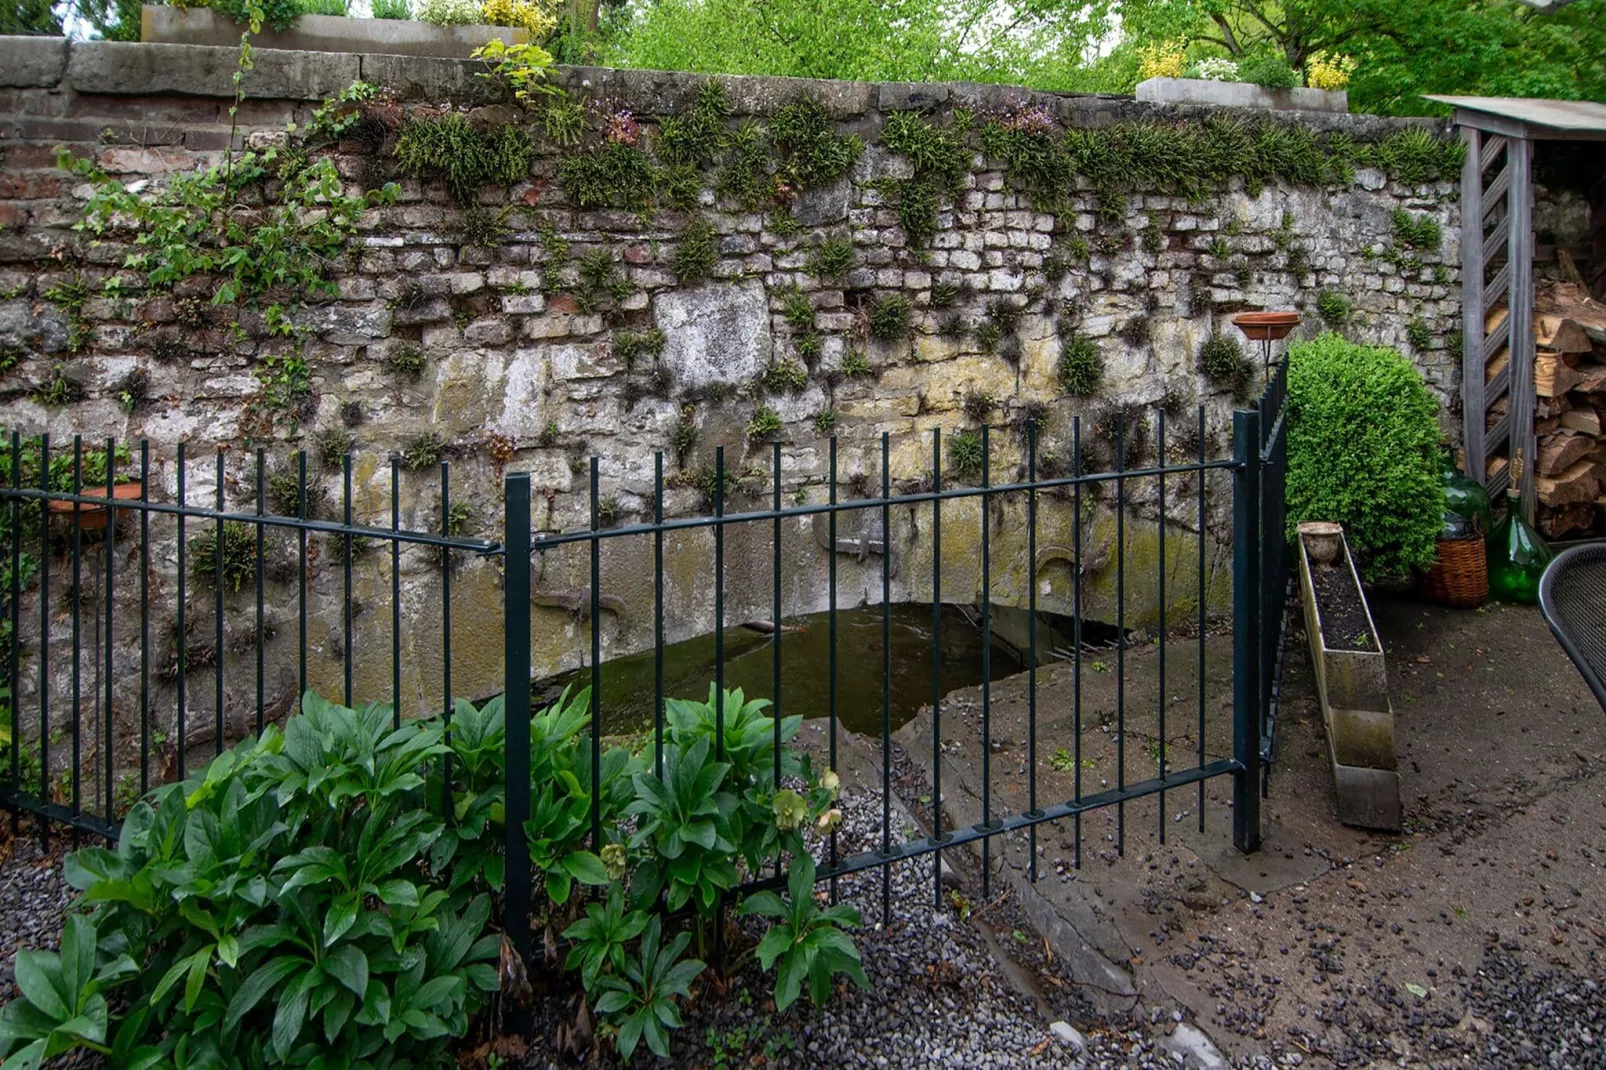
<point>126,68</point>
<point>32,62</point>
<point>1240,95</point>
<point>324,33</point>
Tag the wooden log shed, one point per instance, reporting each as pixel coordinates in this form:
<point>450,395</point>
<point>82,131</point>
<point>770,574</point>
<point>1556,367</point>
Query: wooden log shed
<point>1497,270</point>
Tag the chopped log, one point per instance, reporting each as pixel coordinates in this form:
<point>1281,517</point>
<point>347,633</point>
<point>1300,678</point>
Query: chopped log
<point>1579,483</point>
<point>1585,420</point>
<point>1497,412</point>
<point>1555,523</point>
<point>1560,334</point>
<point>1552,377</point>
<point>1561,451</point>
<point>1548,407</point>
<point>1593,378</point>
<point>1494,319</point>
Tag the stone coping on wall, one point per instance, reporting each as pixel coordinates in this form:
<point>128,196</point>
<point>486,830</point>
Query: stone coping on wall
<point>132,69</point>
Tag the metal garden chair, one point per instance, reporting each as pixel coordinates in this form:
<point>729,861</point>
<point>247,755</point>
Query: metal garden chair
<point>1572,596</point>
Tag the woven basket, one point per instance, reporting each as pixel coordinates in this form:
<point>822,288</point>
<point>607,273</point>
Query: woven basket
<point>1459,577</point>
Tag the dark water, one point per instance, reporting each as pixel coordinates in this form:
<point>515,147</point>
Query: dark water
<point>627,683</point>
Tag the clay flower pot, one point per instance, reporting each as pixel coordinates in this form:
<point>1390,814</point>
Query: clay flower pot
<point>93,517</point>
<point>1265,326</point>
<point>1322,540</point>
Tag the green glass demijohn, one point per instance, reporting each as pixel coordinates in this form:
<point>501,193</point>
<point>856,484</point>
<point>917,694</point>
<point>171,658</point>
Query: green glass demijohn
<point>1465,497</point>
<point>1517,553</point>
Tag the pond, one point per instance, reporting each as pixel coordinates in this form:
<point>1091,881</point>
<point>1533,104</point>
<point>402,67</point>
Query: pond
<point>627,683</point>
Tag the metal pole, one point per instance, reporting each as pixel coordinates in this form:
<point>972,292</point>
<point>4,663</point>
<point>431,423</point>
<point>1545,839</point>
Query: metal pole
<point>1245,634</point>
<point>516,707</point>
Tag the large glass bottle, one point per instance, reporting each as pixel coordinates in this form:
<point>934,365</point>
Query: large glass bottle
<point>1517,553</point>
<point>1465,497</point>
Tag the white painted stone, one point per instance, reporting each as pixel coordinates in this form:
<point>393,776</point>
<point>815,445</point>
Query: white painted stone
<point>719,333</point>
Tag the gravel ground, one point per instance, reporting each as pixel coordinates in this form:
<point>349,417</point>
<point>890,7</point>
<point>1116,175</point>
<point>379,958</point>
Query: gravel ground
<point>32,898</point>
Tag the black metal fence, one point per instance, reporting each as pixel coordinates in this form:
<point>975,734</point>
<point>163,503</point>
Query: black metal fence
<point>1186,476</point>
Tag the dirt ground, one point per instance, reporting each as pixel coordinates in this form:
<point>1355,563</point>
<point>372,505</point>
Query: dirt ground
<point>1332,946</point>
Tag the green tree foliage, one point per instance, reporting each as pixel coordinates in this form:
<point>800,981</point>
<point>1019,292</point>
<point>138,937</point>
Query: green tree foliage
<point>1362,435</point>
<point>1490,47</point>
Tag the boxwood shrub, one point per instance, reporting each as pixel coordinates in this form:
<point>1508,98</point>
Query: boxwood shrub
<point>1362,430</point>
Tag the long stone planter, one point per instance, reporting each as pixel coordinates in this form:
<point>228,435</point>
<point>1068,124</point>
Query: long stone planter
<point>324,33</point>
<point>1240,95</point>
<point>1353,687</point>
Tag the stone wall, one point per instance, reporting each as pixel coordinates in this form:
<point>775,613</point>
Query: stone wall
<point>520,373</point>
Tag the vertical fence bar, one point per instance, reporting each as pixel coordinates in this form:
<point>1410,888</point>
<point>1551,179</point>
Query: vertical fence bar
<point>44,634</point>
<point>446,641</point>
<point>77,626</point>
<point>1245,643</point>
<point>775,614</point>
<point>1120,630</point>
<point>1076,622</point>
<point>1031,658</point>
<point>109,554</point>
<point>516,699</point>
<point>345,553</point>
<point>1203,476</point>
<point>180,640</point>
<point>1159,418</point>
<point>261,536</point>
<point>986,666</point>
<point>658,614</point>
<point>395,589</point>
<point>936,662</point>
<point>301,575</point>
<point>830,556</point>
<point>719,603</point>
<point>886,679</point>
<point>14,654</point>
<point>596,663</point>
<point>217,611</point>
<point>145,617</point>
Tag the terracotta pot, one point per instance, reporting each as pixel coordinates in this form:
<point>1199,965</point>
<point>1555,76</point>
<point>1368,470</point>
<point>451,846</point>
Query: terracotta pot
<point>1264,326</point>
<point>1322,540</point>
<point>93,517</point>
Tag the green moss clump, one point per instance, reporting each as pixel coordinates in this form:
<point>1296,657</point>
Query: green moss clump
<point>1081,366</point>
<point>797,309</point>
<point>855,364</point>
<point>988,336</point>
<point>613,175</point>
<point>486,227</point>
<point>466,158</point>
<point>407,360</point>
<point>782,376</point>
<point>808,152</point>
<point>237,548</point>
<point>632,344</point>
<point>695,138</point>
<point>1416,232</point>
<point>1419,334</point>
<point>825,421</point>
<point>766,423</point>
<point>425,451</point>
<point>979,405</point>
<point>563,121</point>
<point>966,455</point>
<point>1333,307</point>
<point>888,318</point>
<point>1222,360</point>
<point>697,252</point>
<point>600,281</point>
<point>1362,451</point>
<point>832,258</point>
<point>333,446</point>
<point>557,258</point>
<point>683,436</point>
<point>940,159</point>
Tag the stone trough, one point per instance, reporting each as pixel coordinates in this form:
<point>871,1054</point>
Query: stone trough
<point>1353,687</point>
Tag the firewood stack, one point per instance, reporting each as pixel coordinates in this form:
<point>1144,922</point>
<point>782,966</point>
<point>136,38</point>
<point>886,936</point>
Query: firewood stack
<point>1570,384</point>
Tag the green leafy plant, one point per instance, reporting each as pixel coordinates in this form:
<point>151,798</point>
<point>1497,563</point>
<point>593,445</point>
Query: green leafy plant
<point>599,940</point>
<point>1081,365</point>
<point>979,405</point>
<point>600,280</point>
<point>486,227</point>
<point>392,9</point>
<point>697,252</point>
<point>407,360</point>
<point>832,258</point>
<point>59,389</point>
<point>1362,435</point>
<point>806,943</point>
<point>640,1003</point>
<point>1222,359</point>
<point>1416,232</point>
<point>631,345</point>
<point>965,454</point>
<point>683,436</point>
<point>237,549</point>
<point>286,381</point>
<point>1333,307</point>
<point>61,1008</point>
<point>447,146</point>
<point>825,421</point>
<point>1269,69</point>
<point>696,137</point>
<point>765,423</point>
<point>783,376</point>
<point>887,318</point>
<point>424,451</point>
<point>612,175</point>
<point>855,364</point>
<point>523,68</point>
<point>1419,334</point>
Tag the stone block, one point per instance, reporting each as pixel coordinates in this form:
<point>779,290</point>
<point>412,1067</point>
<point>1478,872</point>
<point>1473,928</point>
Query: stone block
<point>714,334</point>
<point>32,62</point>
<point>123,68</point>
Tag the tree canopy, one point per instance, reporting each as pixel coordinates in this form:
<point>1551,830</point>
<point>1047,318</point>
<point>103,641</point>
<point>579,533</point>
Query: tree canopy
<point>1400,50</point>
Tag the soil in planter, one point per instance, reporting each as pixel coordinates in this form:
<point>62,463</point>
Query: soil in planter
<point>1343,611</point>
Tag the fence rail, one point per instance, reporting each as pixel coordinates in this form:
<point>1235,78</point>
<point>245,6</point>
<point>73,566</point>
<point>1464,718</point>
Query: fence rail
<point>1163,477</point>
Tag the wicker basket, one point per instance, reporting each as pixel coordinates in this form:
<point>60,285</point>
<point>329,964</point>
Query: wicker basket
<point>1459,577</point>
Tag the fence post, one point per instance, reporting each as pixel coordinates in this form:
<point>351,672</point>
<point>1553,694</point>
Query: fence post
<point>1245,630</point>
<point>516,706</point>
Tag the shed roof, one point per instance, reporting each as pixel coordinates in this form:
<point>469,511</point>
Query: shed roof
<point>1526,117</point>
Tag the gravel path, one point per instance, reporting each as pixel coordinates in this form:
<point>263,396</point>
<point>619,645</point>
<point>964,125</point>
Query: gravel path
<point>32,899</point>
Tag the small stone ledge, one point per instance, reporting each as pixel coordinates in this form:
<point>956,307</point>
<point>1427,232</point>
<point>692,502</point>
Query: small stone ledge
<point>32,62</point>
<point>130,69</point>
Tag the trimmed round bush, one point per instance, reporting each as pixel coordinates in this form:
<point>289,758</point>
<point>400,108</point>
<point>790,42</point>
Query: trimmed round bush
<point>1362,435</point>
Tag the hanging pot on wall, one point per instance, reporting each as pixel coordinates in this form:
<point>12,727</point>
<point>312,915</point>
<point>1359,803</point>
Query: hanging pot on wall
<point>92,517</point>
